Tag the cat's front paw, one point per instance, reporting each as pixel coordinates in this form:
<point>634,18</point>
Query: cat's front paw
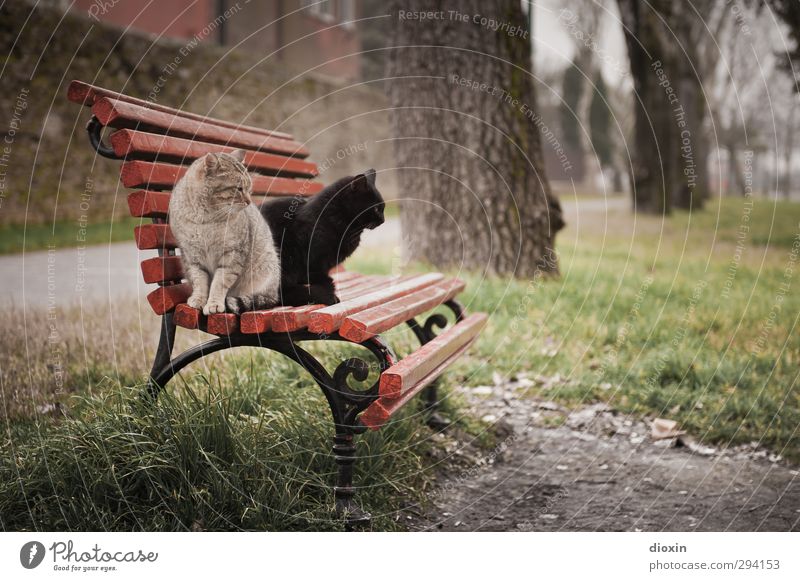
<point>234,305</point>
<point>213,307</point>
<point>196,301</point>
<point>322,294</point>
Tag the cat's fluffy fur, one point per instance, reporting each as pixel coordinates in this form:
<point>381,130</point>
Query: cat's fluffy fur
<point>315,234</point>
<point>227,250</point>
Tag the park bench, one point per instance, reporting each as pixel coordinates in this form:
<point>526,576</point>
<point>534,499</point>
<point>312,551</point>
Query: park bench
<point>155,143</point>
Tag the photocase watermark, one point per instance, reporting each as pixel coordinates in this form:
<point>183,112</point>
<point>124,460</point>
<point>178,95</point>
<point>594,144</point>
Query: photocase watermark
<point>101,8</point>
<point>339,155</point>
<point>677,337</point>
<point>31,554</point>
<point>509,99</point>
<point>743,231</point>
<point>687,154</point>
<point>14,124</point>
<point>738,17</point>
<point>780,295</point>
<point>169,69</point>
<point>569,20</point>
<point>456,16</point>
<point>481,464</point>
<point>67,558</point>
<point>55,358</point>
<point>546,265</point>
<point>83,225</point>
<point>561,493</point>
<point>612,355</point>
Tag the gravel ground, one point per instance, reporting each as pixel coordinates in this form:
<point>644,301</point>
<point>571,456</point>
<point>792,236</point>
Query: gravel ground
<point>602,471</point>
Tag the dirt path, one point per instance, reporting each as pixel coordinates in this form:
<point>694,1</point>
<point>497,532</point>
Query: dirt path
<point>600,471</point>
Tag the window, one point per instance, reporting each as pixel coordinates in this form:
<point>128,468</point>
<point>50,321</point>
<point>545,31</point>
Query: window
<point>322,9</point>
<point>347,12</point>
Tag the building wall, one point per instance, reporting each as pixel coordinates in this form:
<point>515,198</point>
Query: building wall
<point>310,41</point>
<point>171,18</point>
<point>313,37</point>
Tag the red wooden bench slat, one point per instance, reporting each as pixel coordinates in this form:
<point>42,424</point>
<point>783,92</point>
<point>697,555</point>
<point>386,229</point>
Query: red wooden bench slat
<point>340,275</point>
<point>361,326</point>
<point>420,368</point>
<point>86,94</point>
<point>366,284</point>
<point>222,323</point>
<point>147,204</point>
<point>166,298</point>
<point>399,378</point>
<point>151,204</point>
<point>161,269</point>
<point>187,317</point>
<point>254,322</point>
<point>292,319</point>
<point>148,146</point>
<point>137,174</point>
<point>125,115</point>
<point>329,319</point>
<point>285,319</point>
<point>296,318</point>
<point>154,237</point>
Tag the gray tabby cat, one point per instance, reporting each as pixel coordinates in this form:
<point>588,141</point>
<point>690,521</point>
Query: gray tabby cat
<point>226,246</point>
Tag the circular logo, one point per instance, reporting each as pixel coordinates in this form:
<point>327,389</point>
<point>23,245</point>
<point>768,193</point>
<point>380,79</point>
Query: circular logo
<point>31,554</point>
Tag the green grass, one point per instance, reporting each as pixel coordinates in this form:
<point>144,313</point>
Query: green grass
<point>64,234</point>
<point>244,446</point>
<point>711,342</point>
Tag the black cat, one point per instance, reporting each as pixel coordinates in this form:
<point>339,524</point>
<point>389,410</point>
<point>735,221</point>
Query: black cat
<point>312,235</point>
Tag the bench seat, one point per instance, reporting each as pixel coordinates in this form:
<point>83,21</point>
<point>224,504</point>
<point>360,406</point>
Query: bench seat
<point>369,305</point>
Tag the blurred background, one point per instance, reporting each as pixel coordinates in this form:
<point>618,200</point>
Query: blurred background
<point>315,69</point>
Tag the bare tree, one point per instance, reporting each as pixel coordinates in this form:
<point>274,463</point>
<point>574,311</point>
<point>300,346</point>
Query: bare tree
<point>656,141</point>
<point>748,90</point>
<point>583,20</point>
<point>469,138</point>
<point>698,26</point>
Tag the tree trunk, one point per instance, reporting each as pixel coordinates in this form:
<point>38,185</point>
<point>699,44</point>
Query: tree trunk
<point>656,136</point>
<point>788,147</point>
<point>692,155</point>
<point>592,170</point>
<point>468,145</point>
<point>736,175</point>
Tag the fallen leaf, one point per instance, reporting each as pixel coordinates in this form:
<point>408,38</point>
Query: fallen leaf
<point>663,429</point>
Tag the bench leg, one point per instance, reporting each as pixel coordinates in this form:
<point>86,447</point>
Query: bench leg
<point>345,403</point>
<point>163,356</point>
<point>344,452</point>
<point>425,333</point>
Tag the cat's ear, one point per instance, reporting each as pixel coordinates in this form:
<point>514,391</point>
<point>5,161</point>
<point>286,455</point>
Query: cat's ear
<point>358,182</point>
<point>238,155</point>
<point>370,175</point>
<point>211,162</point>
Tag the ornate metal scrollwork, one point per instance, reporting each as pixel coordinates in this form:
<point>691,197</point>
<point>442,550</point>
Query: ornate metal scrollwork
<point>95,130</point>
<point>428,330</point>
<point>345,402</point>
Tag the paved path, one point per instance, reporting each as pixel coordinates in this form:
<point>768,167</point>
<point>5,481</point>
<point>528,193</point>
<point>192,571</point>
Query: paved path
<point>100,273</point>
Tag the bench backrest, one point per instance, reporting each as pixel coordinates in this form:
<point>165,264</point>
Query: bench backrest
<point>157,143</point>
